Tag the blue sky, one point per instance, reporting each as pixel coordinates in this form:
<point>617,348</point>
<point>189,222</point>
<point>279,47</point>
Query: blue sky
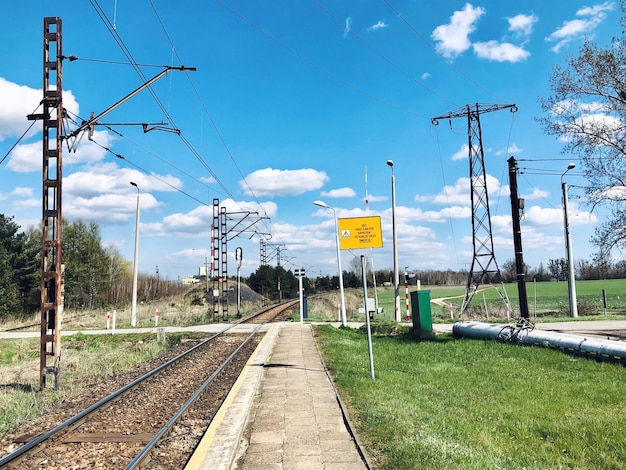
<point>294,102</point>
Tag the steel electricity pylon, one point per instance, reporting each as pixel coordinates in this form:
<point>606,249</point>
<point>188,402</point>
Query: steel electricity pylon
<point>484,267</point>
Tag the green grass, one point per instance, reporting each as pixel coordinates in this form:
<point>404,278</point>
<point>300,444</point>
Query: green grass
<point>552,301</point>
<point>458,403</point>
<point>86,362</point>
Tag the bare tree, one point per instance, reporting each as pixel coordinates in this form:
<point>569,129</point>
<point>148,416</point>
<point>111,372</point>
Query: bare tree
<point>587,110</point>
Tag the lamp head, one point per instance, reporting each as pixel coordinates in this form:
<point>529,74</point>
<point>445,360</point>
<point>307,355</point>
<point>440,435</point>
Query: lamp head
<point>132,183</point>
<point>390,163</point>
<point>321,204</point>
<point>571,166</point>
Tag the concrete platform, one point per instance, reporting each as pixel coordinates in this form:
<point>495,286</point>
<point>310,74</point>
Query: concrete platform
<point>281,414</point>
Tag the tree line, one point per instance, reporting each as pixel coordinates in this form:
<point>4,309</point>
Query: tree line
<point>95,276</point>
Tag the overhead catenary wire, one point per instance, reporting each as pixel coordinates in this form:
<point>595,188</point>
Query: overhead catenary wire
<point>214,125</point>
<point>122,157</point>
<point>157,100</point>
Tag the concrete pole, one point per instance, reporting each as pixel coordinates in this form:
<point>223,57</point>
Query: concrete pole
<point>396,274</point>
<point>571,282</point>
<point>133,306</point>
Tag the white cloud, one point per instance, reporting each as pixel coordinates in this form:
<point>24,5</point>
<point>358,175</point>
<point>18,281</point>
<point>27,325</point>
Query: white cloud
<point>346,30</point>
<point>425,75</point>
<point>197,222</point>
<point>548,216</point>
<point>371,198</point>
<point>513,149</point>
<point>522,24</point>
<point>21,191</point>
<point>18,101</point>
<point>377,26</point>
<point>27,157</point>
<point>536,194</point>
<point>459,194</point>
<point>339,192</point>
<point>500,52</point>
<point>461,154</point>
<point>271,182</point>
<point>108,178</point>
<point>575,29</point>
<point>453,38</point>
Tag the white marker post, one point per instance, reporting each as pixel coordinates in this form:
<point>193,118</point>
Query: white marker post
<point>113,329</point>
<point>108,319</point>
<point>367,317</point>
<point>300,273</point>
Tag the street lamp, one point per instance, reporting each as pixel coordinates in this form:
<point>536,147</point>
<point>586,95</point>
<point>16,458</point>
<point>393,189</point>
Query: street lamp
<point>343,300</point>
<point>133,305</point>
<point>396,275</point>
<point>571,282</point>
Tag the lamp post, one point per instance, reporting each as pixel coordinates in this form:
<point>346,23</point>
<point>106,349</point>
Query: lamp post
<point>206,268</point>
<point>343,300</point>
<point>396,275</point>
<point>133,305</point>
<point>571,282</point>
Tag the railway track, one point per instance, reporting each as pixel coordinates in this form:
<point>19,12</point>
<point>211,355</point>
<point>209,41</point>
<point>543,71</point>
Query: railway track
<point>156,420</point>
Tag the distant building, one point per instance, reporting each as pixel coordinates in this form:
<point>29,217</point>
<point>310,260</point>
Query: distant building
<point>186,281</point>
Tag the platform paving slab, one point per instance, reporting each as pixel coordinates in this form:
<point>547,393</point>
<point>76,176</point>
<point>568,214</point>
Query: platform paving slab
<point>294,420</point>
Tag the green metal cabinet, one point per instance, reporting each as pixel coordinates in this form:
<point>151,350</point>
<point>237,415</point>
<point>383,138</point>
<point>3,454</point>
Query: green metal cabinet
<point>420,310</point>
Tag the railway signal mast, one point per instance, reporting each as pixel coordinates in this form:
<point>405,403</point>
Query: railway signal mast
<point>484,266</point>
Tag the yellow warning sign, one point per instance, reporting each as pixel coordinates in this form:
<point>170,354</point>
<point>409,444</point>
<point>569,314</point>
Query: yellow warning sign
<point>360,232</point>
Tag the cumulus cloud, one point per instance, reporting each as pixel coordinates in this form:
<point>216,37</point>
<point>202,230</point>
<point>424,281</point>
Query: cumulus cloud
<point>459,194</point>
<point>512,149</point>
<point>521,24</point>
<point>372,198</point>
<point>452,38</point>
<point>500,51</point>
<point>339,192</point>
<point>548,216</point>
<point>18,101</point>
<point>377,26</point>
<point>425,75</point>
<point>590,19</point>
<point>461,154</point>
<point>27,157</point>
<point>271,182</point>
<point>536,194</point>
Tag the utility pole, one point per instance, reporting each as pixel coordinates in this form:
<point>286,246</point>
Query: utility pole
<point>484,265</point>
<point>517,210</point>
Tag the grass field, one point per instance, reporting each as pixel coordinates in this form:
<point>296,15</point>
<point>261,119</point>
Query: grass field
<point>546,300</point>
<point>458,403</point>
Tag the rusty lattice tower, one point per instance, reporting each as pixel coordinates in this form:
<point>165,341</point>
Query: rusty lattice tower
<point>51,223</point>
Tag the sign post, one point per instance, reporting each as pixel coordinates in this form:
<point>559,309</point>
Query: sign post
<point>361,233</point>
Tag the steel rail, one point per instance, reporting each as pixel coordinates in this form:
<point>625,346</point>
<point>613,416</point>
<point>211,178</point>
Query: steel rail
<point>16,455</point>
<point>146,451</point>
